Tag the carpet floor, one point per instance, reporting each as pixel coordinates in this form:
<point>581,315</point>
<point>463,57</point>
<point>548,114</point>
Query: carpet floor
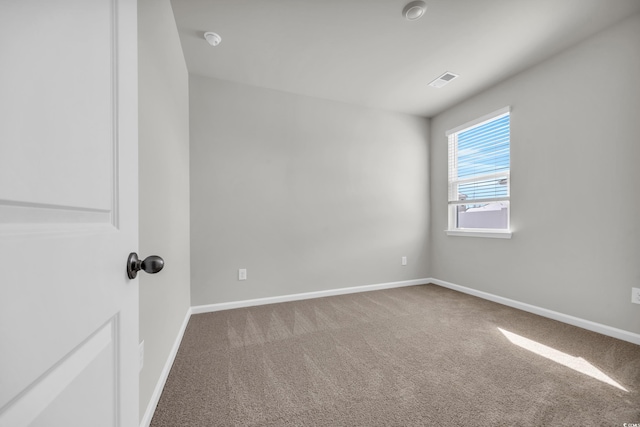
<point>414,356</point>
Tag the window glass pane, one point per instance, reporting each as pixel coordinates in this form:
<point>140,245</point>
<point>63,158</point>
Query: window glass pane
<point>484,149</point>
<point>484,189</point>
<point>487,215</point>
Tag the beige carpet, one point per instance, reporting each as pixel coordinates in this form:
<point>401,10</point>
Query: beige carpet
<point>414,356</point>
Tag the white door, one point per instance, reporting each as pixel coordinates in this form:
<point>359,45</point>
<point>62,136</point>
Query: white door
<point>68,213</point>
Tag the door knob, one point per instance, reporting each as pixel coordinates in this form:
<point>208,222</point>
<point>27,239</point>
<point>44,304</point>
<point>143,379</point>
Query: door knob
<point>151,264</point>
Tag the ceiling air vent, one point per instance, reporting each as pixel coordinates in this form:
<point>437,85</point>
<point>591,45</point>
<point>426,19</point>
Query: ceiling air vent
<point>443,79</point>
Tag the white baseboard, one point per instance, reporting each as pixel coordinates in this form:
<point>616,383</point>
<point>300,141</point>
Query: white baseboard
<point>157,392</point>
<point>307,295</point>
<point>565,318</point>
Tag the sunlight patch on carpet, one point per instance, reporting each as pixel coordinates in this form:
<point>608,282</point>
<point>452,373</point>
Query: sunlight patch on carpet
<point>576,363</point>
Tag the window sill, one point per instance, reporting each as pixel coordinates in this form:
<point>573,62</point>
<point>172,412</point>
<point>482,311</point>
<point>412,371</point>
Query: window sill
<point>492,234</point>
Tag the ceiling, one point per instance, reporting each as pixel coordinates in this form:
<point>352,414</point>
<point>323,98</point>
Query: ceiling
<point>364,52</point>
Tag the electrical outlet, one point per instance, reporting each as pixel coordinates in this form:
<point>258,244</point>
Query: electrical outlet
<point>242,274</point>
<point>141,355</point>
<point>404,260</point>
<point>635,295</point>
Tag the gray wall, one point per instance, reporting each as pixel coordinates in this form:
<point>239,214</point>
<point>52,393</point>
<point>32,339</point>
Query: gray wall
<point>575,176</point>
<point>164,186</point>
<point>306,194</point>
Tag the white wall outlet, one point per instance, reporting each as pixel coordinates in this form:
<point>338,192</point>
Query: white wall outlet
<point>141,355</point>
<point>242,274</point>
<point>404,260</point>
<point>635,295</point>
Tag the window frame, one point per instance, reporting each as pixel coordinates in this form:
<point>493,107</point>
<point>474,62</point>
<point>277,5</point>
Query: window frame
<point>452,144</point>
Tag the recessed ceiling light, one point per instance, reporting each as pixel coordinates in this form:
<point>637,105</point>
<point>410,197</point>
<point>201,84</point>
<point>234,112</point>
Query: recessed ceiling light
<point>212,38</point>
<point>414,10</point>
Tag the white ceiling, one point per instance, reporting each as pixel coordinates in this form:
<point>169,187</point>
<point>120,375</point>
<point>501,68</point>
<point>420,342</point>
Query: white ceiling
<point>364,52</point>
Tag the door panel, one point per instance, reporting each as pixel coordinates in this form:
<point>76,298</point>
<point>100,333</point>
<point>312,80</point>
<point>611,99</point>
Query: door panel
<point>48,401</point>
<point>68,212</point>
<point>62,61</point>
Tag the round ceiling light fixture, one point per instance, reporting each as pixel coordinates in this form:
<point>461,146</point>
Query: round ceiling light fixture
<point>212,38</point>
<point>414,10</point>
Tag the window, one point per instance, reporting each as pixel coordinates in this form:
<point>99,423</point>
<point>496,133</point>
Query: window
<point>479,176</point>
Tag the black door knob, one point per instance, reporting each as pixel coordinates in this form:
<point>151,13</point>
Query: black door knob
<point>151,264</point>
